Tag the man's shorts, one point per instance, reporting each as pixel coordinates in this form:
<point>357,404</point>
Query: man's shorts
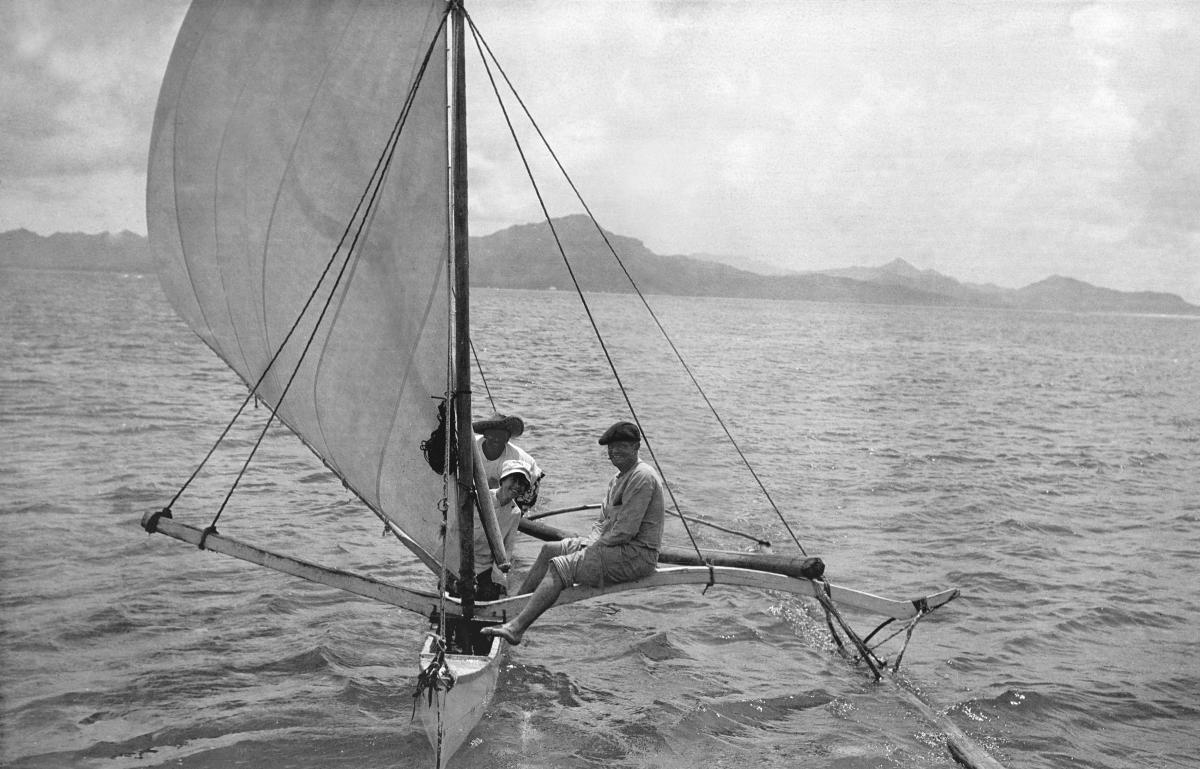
<point>600,565</point>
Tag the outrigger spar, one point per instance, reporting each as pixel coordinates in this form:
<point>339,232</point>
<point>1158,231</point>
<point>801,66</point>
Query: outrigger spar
<point>306,228</point>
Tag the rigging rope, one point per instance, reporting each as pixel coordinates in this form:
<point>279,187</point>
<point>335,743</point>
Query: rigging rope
<point>479,368</point>
<point>480,46</point>
<point>360,214</point>
<point>479,41</point>
<point>823,595</point>
<point>698,521</point>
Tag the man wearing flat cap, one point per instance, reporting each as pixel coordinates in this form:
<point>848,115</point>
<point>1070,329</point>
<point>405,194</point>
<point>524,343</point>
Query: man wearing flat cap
<point>622,546</point>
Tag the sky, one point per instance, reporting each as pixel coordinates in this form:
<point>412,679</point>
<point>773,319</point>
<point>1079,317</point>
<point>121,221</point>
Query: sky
<point>996,142</point>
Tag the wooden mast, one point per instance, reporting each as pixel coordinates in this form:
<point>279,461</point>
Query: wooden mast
<point>462,318</point>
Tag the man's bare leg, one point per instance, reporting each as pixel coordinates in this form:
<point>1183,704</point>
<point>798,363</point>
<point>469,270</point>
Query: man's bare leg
<point>540,566</point>
<point>542,599</point>
<point>537,572</point>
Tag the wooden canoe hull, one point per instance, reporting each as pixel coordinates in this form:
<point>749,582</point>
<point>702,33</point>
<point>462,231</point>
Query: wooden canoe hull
<point>454,713</point>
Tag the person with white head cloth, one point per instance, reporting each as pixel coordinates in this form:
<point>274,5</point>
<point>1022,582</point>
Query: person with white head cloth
<point>516,479</point>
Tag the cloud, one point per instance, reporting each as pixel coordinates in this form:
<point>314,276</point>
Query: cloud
<point>996,143</point>
<point>79,83</point>
<point>1147,56</point>
<point>992,142</point>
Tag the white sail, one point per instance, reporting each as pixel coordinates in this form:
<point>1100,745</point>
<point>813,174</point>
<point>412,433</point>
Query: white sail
<point>270,121</point>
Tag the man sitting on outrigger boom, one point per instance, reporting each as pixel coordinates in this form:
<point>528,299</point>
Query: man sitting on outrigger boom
<point>622,546</point>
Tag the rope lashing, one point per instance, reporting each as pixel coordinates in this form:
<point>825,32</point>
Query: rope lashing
<point>712,577</point>
<point>867,651</point>
<point>210,529</point>
<point>151,523</point>
<point>435,677</point>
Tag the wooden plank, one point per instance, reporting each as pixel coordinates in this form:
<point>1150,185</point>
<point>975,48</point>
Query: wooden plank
<point>699,575</point>
<point>421,602</point>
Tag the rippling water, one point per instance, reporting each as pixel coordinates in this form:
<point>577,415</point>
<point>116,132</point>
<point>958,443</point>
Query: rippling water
<point>1045,463</point>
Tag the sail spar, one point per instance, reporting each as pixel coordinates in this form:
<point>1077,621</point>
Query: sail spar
<point>270,121</point>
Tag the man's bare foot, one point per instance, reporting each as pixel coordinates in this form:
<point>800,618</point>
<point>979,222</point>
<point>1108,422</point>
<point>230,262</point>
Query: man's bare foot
<point>505,632</point>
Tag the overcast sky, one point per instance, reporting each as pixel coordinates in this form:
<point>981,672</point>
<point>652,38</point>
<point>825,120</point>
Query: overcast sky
<point>997,142</point>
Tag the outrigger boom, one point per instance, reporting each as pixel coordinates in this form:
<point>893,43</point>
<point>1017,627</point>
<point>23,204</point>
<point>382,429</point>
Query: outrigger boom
<point>426,602</point>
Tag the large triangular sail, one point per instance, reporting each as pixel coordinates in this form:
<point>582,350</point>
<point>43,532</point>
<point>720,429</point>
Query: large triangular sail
<point>271,119</point>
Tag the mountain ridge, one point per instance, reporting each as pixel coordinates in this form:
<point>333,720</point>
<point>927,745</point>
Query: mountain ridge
<point>526,256</point>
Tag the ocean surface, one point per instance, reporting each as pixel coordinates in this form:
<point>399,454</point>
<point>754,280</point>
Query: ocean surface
<point>1048,464</point>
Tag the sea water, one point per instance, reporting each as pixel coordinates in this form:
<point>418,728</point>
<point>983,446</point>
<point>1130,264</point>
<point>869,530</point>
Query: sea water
<point>1048,464</point>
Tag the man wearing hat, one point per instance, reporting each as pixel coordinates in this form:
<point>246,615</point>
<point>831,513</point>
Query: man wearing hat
<point>494,436</point>
<point>622,546</point>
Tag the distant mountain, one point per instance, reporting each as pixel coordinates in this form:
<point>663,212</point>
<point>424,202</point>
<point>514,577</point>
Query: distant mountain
<point>747,263</point>
<point>527,256</point>
<point>123,252</point>
<point>900,273</point>
<point>1059,293</point>
<point>1054,293</point>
